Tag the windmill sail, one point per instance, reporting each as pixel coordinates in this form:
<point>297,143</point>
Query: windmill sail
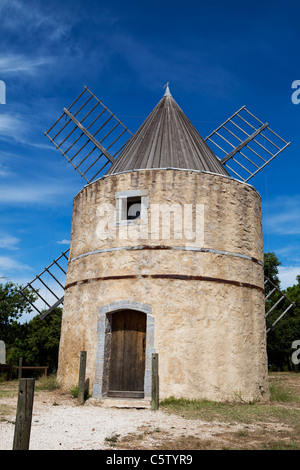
<point>245,145</point>
<point>89,135</point>
<point>273,299</point>
<point>48,286</point>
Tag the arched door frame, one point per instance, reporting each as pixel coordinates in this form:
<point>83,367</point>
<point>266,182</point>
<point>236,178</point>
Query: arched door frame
<point>103,344</point>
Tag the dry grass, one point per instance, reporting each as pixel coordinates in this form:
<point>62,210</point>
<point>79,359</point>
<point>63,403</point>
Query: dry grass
<point>238,426</point>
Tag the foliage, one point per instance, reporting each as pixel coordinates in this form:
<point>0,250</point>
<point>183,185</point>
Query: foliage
<point>74,392</point>
<point>287,330</point>
<point>37,342</point>
<point>48,382</point>
<point>271,264</point>
<point>12,306</point>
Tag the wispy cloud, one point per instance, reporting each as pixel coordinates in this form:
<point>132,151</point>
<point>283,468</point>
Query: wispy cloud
<point>39,193</point>
<point>21,128</point>
<point>18,15</point>
<point>287,275</point>
<point>13,64</point>
<point>4,171</point>
<point>64,242</point>
<point>283,215</point>
<point>290,251</point>
<point>8,264</point>
<point>13,127</point>
<point>182,65</point>
<point>8,242</point>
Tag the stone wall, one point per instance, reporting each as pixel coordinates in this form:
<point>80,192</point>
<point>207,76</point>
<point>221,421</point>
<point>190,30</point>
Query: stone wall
<point>206,300</point>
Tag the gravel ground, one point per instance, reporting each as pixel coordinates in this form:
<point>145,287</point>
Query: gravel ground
<point>59,423</point>
<point>85,428</point>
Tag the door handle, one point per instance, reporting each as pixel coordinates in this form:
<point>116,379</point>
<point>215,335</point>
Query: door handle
<point>144,344</point>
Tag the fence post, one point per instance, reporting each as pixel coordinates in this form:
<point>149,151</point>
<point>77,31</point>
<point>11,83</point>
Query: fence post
<point>81,380</point>
<point>155,383</point>
<point>24,414</point>
<point>20,368</point>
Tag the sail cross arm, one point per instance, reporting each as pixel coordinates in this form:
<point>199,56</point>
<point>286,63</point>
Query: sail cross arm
<point>245,145</point>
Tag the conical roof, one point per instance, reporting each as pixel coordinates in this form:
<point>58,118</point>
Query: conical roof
<point>167,139</point>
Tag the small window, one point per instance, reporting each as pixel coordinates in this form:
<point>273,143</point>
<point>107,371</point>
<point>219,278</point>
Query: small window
<point>134,208</point>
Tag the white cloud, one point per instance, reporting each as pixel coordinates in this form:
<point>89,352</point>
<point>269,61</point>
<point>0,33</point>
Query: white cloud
<point>21,128</point>
<point>19,16</point>
<point>4,172</point>
<point>13,127</point>
<point>8,242</point>
<point>284,216</point>
<point>8,265</point>
<point>38,193</point>
<point>20,63</point>
<point>64,242</point>
<point>287,275</point>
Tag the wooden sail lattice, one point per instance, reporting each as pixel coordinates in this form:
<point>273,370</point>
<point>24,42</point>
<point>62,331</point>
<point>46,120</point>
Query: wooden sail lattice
<point>273,303</point>
<point>48,286</point>
<point>89,136</point>
<point>245,145</point>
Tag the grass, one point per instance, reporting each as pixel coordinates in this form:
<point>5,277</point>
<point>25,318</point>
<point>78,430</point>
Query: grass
<point>74,392</point>
<point>280,394</point>
<point>272,425</point>
<point>278,418</point>
<point>246,413</point>
<point>48,382</point>
<point>112,440</point>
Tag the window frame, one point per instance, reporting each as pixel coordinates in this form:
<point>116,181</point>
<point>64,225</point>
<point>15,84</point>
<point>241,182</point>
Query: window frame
<point>122,197</point>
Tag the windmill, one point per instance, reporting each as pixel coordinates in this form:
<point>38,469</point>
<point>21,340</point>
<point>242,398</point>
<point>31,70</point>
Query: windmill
<point>90,137</point>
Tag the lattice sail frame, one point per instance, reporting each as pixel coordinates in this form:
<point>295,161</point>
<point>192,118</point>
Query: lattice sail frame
<point>231,144</point>
<point>89,135</point>
<point>274,289</point>
<point>49,294</point>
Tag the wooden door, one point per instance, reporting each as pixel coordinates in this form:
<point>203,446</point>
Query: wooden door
<point>127,359</point>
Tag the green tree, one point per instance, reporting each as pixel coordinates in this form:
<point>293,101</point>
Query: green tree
<point>287,330</point>
<point>271,264</point>
<point>38,342</point>
<point>12,306</point>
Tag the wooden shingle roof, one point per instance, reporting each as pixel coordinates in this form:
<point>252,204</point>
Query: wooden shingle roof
<point>167,139</point>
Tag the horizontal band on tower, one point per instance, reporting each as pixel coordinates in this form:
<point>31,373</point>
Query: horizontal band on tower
<point>167,247</point>
<point>179,277</point>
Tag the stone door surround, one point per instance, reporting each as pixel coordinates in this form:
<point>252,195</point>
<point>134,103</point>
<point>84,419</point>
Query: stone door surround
<point>103,344</point>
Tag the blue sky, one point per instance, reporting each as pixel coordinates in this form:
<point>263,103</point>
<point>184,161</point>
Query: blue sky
<point>217,55</point>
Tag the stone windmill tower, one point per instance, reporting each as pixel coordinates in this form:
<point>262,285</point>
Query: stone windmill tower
<point>166,256</point>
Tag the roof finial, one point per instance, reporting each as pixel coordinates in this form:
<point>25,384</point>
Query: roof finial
<point>167,92</point>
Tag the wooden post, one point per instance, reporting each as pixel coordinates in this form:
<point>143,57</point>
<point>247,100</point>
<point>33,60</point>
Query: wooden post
<point>81,380</point>
<point>155,383</point>
<point>20,367</point>
<point>24,414</point>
